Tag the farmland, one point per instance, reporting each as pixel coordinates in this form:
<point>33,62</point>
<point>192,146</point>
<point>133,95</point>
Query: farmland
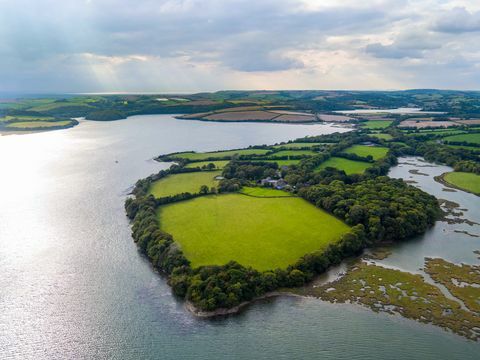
<point>263,192</point>
<point>473,138</point>
<point>282,162</point>
<point>349,166</point>
<point>25,125</point>
<point>219,164</point>
<point>265,233</point>
<point>465,181</point>
<point>294,153</point>
<point>219,154</point>
<point>382,136</point>
<point>376,152</point>
<point>296,145</point>
<point>180,183</point>
<point>376,124</point>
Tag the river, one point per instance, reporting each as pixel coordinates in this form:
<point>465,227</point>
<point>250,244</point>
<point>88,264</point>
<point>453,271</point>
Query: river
<point>73,285</point>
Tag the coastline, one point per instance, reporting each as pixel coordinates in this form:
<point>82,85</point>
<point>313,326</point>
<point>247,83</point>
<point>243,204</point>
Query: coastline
<point>236,309</point>
<point>441,179</point>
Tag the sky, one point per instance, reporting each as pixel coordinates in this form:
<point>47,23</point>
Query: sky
<point>52,46</point>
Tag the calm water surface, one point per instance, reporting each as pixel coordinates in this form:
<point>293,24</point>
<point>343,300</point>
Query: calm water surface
<point>73,286</point>
<point>401,111</point>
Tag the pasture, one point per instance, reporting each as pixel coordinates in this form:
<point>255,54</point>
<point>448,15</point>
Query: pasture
<point>377,152</point>
<point>219,164</point>
<point>282,162</point>
<point>25,125</point>
<point>473,138</point>
<point>376,124</point>
<point>180,183</point>
<point>219,154</point>
<point>264,233</point>
<point>296,145</point>
<point>349,166</point>
<point>465,181</point>
<point>382,136</point>
<point>264,192</point>
<point>282,153</point>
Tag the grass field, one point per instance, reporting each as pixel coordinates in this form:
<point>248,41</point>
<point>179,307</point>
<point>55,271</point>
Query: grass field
<point>470,138</point>
<point>466,147</point>
<point>37,124</point>
<point>179,183</point>
<point>467,181</point>
<point>382,136</point>
<point>377,152</point>
<point>296,145</point>
<point>282,153</point>
<point>349,166</point>
<point>219,164</point>
<point>264,192</point>
<point>220,154</point>
<point>27,118</point>
<point>265,233</point>
<point>376,124</point>
<point>282,162</point>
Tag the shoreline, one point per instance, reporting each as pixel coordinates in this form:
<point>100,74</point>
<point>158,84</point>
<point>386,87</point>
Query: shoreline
<point>441,180</point>
<point>236,309</point>
<point>181,117</point>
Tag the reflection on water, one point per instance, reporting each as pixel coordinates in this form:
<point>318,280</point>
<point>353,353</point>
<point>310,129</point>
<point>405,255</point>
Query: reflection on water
<point>443,240</point>
<point>74,286</point>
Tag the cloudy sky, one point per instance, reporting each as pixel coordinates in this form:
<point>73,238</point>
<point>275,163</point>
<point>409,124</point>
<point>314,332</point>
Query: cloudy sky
<point>206,45</point>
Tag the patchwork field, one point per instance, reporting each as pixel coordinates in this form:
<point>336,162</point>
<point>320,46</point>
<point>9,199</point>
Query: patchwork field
<point>282,153</point>
<point>219,164</point>
<point>377,152</point>
<point>462,180</point>
<point>469,138</point>
<point>180,183</point>
<point>37,124</point>
<point>376,124</point>
<point>382,136</point>
<point>426,124</point>
<point>349,166</point>
<point>296,145</point>
<point>265,233</point>
<point>220,154</point>
<point>264,192</point>
<point>282,162</point>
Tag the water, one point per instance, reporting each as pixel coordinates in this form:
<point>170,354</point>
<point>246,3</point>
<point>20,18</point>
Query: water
<point>400,111</point>
<point>443,240</point>
<point>74,286</point>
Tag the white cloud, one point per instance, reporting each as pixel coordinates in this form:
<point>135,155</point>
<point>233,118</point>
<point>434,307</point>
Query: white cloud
<point>196,45</point>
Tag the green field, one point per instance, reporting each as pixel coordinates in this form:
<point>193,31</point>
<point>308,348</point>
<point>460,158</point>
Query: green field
<point>220,154</point>
<point>180,183</point>
<point>470,138</point>
<point>442,132</point>
<point>37,124</point>
<point>282,162</point>
<point>296,145</point>
<point>382,136</point>
<point>282,153</point>
<point>376,124</point>
<point>349,166</point>
<point>466,147</point>
<point>265,233</point>
<point>377,152</point>
<point>219,164</point>
<point>27,118</point>
<point>462,180</point>
<point>264,192</point>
